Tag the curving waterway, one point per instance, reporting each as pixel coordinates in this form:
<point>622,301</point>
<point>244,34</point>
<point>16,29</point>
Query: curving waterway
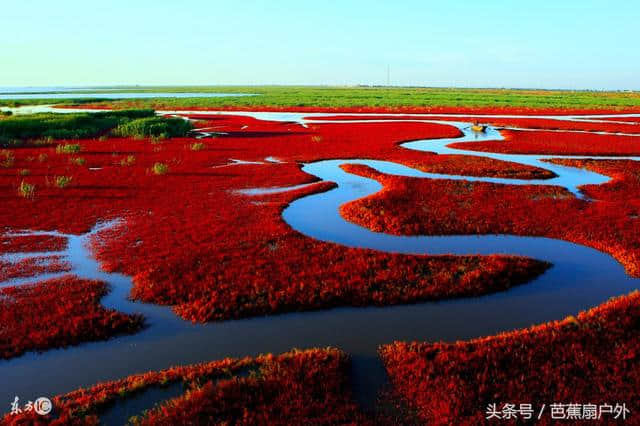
<point>580,278</point>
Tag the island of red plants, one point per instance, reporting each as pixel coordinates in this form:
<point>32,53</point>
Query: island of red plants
<point>444,207</point>
<point>592,358</point>
<point>30,243</point>
<point>57,313</point>
<point>32,266</point>
<point>557,143</point>
<point>300,387</point>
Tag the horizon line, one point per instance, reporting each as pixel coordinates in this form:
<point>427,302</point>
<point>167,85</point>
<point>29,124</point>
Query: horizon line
<point>320,85</point>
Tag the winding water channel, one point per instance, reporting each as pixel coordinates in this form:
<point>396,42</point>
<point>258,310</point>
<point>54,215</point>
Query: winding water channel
<point>581,277</point>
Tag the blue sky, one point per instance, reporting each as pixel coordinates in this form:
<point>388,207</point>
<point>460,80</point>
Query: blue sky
<point>548,44</point>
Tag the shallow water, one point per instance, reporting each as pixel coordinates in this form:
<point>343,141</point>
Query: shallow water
<point>54,89</point>
<point>117,95</point>
<point>272,189</point>
<point>122,410</point>
<point>581,277</point>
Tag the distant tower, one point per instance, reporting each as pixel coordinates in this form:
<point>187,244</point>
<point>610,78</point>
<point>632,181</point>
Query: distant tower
<point>388,75</point>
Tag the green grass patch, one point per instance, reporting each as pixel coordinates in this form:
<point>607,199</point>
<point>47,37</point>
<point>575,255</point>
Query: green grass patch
<point>360,96</point>
<point>19,128</point>
<point>44,141</point>
<point>129,160</point>
<point>14,103</point>
<point>62,181</point>
<point>68,148</point>
<point>26,190</point>
<point>155,127</point>
<point>160,169</point>
<point>388,97</point>
<point>78,161</point>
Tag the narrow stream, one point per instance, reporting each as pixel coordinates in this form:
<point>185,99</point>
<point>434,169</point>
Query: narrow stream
<point>581,277</point>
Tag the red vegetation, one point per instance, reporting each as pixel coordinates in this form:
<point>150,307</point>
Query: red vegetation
<point>32,266</point>
<point>624,187</point>
<point>300,387</point>
<point>372,140</point>
<point>443,207</point>
<point>468,111</point>
<point>108,186</point>
<point>552,124</point>
<point>190,240</point>
<point>468,165</point>
<point>309,387</point>
<point>55,314</point>
<point>630,126</point>
<point>31,243</point>
<point>367,278</point>
<point>592,358</point>
<point>558,143</point>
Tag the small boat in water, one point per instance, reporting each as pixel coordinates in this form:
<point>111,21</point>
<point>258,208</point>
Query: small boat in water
<point>480,128</point>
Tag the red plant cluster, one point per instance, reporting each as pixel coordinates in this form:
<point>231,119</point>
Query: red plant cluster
<point>461,110</point>
<point>444,207</point>
<point>366,278</point>
<point>32,266</point>
<point>351,136</point>
<point>31,243</point>
<point>625,185</point>
<point>299,387</point>
<point>310,387</point>
<point>467,165</point>
<point>558,143</point>
<point>80,407</point>
<point>190,240</point>
<point>57,313</point>
<point>593,358</point>
<point>552,124</point>
<point>630,126</point>
<point>116,178</point>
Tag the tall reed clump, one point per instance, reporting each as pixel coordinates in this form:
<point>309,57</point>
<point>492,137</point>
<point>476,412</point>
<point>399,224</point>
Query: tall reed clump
<point>129,160</point>
<point>63,181</point>
<point>78,161</point>
<point>68,148</point>
<point>160,169</point>
<point>7,158</point>
<point>26,190</point>
<point>14,130</point>
<point>154,127</point>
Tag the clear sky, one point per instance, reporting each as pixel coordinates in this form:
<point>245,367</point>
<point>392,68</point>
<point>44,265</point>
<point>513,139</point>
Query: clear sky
<point>492,43</point>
